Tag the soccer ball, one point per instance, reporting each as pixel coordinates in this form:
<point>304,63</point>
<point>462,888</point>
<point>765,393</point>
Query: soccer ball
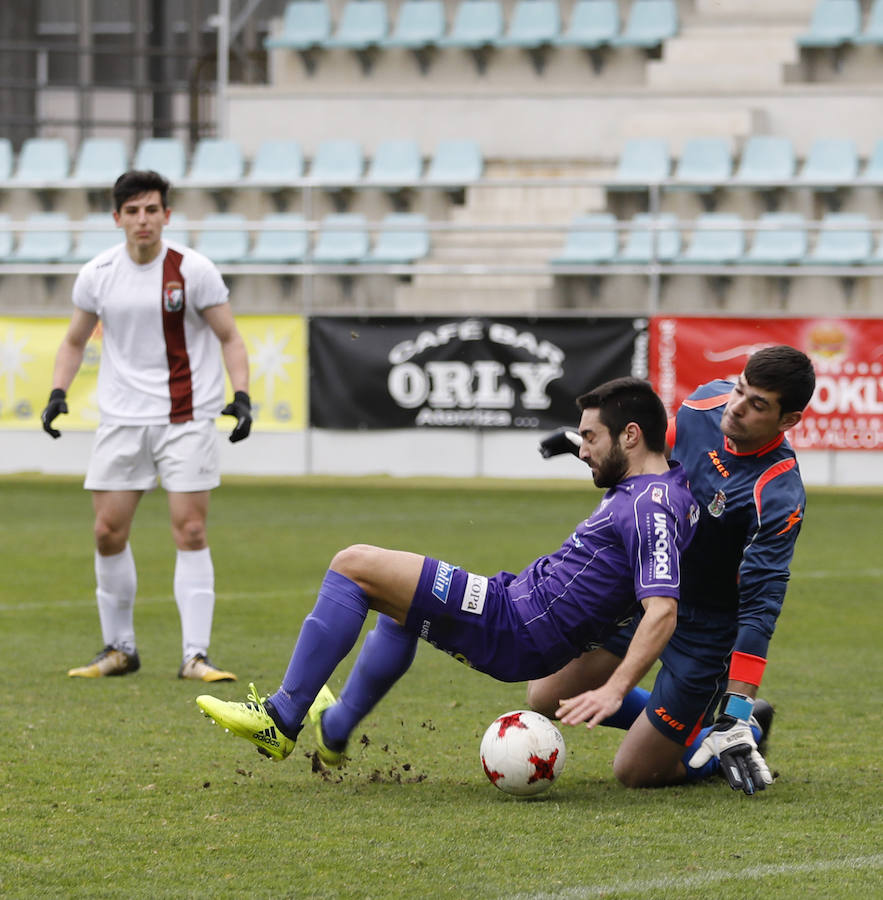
<point>522,753</point>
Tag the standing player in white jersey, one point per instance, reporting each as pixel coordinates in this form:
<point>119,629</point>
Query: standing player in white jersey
<point>166,325</point>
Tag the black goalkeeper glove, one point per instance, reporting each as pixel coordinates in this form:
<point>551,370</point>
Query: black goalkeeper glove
<point>56,406</point>
<point>565,440</point>
<point>732,742</point>
<point>240,407</point>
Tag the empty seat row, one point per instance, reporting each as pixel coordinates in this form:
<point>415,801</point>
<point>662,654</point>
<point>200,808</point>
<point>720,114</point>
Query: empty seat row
<point>45,162</point>
<point>225,238</point>
<point>706,162</point>
<point>421,24</point>
<point>838,23</point>
<point>779,239</point>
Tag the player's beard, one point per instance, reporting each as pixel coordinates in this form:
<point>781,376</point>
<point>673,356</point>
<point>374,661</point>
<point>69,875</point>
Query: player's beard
<point>612,469</point>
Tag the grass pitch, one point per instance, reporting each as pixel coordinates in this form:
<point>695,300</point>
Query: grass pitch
<point>120,788</point>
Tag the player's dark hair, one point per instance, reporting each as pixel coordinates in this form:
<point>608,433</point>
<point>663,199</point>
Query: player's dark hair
<point>136,182</point>
<point>625,400</point>
<point>785,371</point>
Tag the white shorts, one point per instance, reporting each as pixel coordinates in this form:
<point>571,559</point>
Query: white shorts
<point>184,457</point>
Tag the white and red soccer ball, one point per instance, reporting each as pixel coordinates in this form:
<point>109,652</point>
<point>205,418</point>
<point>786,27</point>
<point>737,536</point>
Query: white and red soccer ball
<point>522,753</point>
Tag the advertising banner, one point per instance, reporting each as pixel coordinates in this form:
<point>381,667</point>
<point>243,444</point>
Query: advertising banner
<point>846,411</point>
<point>276,349</point>
<point>481,372</point>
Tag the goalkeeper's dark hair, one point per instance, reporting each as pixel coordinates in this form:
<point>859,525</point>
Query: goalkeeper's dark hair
<point>785,371</point>
<point>136,182</point>
<point>625,400</point>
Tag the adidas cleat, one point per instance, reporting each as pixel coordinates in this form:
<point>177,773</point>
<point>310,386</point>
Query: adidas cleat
<point>249,720</point>
<point>330,758</point>
<point>201,668</point>
<point>109,661</point>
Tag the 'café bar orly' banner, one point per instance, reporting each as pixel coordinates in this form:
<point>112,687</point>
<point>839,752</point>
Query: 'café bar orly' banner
<point>846,411</point>
<point>482,372</point>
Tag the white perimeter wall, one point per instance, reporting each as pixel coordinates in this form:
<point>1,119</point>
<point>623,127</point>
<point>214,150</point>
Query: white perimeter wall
<point>507,454</point>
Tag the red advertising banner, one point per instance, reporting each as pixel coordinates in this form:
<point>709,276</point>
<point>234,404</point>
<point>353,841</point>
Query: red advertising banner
<point>846,411</point>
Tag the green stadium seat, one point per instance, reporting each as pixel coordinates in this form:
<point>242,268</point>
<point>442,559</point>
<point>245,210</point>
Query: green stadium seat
<point>306,24</point>
<point>42,162</point>
<point>704,164</point>
<point>100,162</point>
<point>403,238</point>
<point>44,246</point>
<point>650,23</point>
<point>395,162</point>
<point>766,159</point>
<point>420,24</point>
<point>844,239</point>
<point>873,172</point>
<point>223,245</point>
<point>785,244</point>
<point>717,239</point>
<point>164,155</point>
<point>277,163</point>
<point>591,240</point>
<point>873,30</point>
<point>643,161</point>
<point>216,161</point>
<point>287,245</point>
<point>363,24</point>
<point>100,236</point>
<point>343,238</point>
<point>834,23</point>
<point>593,24</point>
<point>337,162</point>
<point>455,162</point>
<point>645,244</point>
<point>831,162</point>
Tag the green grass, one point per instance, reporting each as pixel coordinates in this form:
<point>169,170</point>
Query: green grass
<point>120,788</point>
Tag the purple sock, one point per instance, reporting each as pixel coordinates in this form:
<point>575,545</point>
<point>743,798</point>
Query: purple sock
<point>385,656</point>
<point>327,635</point>
<point>633,705</point>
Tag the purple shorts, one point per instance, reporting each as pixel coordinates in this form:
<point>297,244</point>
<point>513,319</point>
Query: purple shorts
<point>471,618</point>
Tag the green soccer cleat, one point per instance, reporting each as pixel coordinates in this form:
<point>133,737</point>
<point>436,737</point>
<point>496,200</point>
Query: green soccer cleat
<point>332,759</point>
<point>249,720</point>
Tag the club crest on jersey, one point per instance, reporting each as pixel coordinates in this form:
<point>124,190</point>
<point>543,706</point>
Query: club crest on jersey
<point>656,495</point>
<point>718,502</point>
<point>173,296</point>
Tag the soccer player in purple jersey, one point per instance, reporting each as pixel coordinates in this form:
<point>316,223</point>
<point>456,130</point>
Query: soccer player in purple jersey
<point>624,557</point>
<point>744,475</point>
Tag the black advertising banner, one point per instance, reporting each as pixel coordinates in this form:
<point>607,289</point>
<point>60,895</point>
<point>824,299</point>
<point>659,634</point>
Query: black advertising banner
<point>482,372</point>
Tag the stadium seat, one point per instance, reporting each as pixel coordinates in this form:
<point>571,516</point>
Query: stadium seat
<point>650,23</point>
<point>876,258</point>
<point>873,173</point>
<point>834,23</point>
<point>873,30</point>
<point>420,25</point>
<point>178,229</point>
<point>363,27</point>
<point>227,245</point>
<point>643,161</point>
<point>343,238</point>
<point>101,235</point>
<point>42,162</point>
<point>455,162</point>
<point>477,26</point>
<point>337,162</point>
<point>216,162</point>
<point>766,160</point>
<point>704,164</point>
<point>100,162</point>
<point>591,239</point>
<point>44,246</point>
<point>784,244</point>
<point>287,245</point>
<point>164,155</point>
<point>277,163</point>
<point>844,239</point>
<point>306,24</point>
<point>717,240</point>
<point>831,162</point>
<point>395,162</point>
<point>5,159</point>
<point>593,24</point>
<point>534,23</point>
<point>402,238</point>
<point>6,240</point>
<point>645,244</point>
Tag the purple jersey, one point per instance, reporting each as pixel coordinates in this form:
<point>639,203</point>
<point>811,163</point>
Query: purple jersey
<point>627,550</point>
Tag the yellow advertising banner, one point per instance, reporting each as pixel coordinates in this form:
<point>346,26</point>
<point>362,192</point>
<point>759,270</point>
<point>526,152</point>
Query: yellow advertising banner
<point>277,351</point>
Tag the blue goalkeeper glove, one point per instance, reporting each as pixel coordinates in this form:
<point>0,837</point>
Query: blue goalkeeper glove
<point>240,407</point>
<point>565,440</point>
<point>732,742</point>
<point>55,407</point>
